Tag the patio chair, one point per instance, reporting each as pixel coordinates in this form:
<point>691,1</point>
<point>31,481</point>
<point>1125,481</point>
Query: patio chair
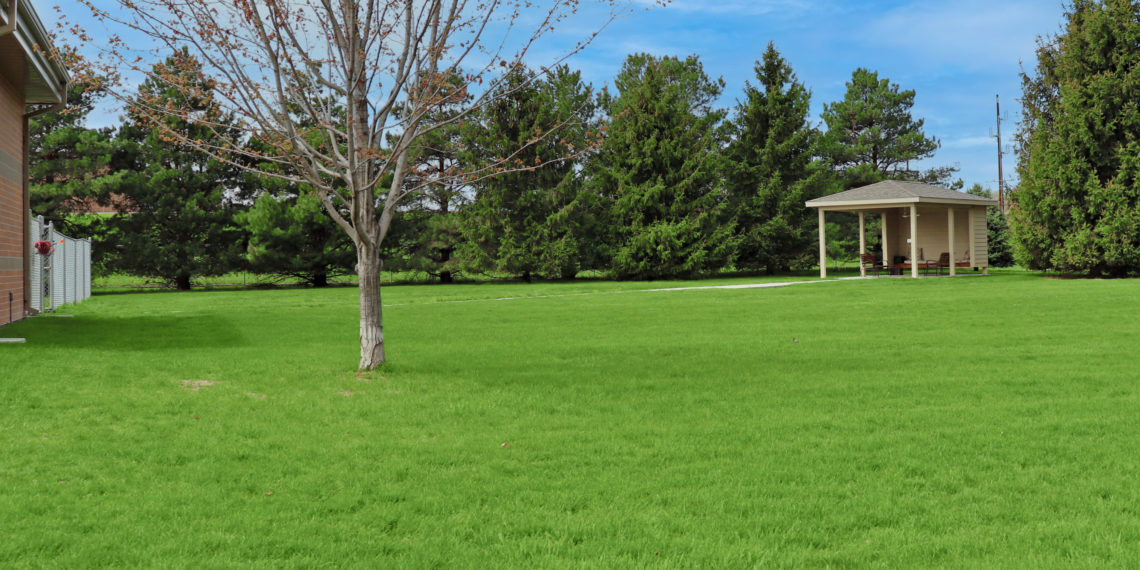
<point>868,262</point>
<point>943,261</point>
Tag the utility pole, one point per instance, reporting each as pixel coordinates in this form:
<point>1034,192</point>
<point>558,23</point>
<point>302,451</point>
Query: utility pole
<point>1001,179</point>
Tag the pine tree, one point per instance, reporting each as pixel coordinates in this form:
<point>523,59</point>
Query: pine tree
<point>1077,206</point>
<point>871,134</point>
<point>528,220</point>
<point>291,235</point>
<point>69,163</point>
<point>175,221</point>
<point>771,170</point>
<point>430,232</point>
<point>659,171</point>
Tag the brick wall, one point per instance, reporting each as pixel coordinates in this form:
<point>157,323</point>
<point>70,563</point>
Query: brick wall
<point>12,214</point>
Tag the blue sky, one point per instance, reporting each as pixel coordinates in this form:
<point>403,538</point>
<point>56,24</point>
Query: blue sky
<point>956,54</point>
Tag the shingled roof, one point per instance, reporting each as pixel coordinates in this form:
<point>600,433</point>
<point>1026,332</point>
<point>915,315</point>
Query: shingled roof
<point>898,192</point>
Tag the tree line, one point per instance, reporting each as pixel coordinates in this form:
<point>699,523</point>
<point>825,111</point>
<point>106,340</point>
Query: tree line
<point>647,180</point>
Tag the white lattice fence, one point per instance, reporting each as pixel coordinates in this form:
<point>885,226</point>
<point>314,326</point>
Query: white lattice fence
<point>64,275</point>
<point>36,294</point>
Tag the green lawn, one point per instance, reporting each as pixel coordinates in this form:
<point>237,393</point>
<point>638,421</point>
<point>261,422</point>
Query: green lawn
<point>972,422</point>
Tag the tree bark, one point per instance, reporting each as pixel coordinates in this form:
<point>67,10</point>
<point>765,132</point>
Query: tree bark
<point>371,319</point>
<point>320,279</point>
<point>444,257</point>
<point>182,282</point>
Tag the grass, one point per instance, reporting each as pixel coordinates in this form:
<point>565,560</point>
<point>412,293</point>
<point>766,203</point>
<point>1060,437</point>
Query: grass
<point>123,283</point>
<point>912,423</point>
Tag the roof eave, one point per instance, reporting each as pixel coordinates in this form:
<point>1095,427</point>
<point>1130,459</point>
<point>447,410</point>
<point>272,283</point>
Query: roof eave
<point>979,202</point>
<point>858,204</point>
<point>894,202</point>
<point>48,78</point>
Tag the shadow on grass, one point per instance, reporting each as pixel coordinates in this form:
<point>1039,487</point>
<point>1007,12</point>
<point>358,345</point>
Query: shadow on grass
<point>141,333</point>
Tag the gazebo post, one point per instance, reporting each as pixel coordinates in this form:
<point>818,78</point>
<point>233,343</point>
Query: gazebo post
<point>950,223</point>
<point>862,242</point>
<point>914,241</point>
<point>883,222</point>
<point>822,246</point>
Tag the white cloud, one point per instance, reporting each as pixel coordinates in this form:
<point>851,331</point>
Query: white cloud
<point>969,34</point>
<point>969,142</point>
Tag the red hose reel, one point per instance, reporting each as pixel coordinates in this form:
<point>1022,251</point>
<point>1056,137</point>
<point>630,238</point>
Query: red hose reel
<point>44,247</point>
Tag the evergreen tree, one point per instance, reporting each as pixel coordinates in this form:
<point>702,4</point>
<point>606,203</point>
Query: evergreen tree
<point>290,232</point>
<point>431,217</point>
<point>529,220</point>
<point>69,164</point>
<point>1077,207</point>
<point>659,171</point>
<point>175,221</point>
<point>771,170</point>
<point>291,235</point>
<point>871,135</point>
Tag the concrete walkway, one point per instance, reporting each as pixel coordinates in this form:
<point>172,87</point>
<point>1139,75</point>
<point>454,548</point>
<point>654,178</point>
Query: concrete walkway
<point>769,285</point>
<point>757,285</point>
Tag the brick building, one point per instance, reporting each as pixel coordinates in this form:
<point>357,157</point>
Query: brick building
<point>31,82</point>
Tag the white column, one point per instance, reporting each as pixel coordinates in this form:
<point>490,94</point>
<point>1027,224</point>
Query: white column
<point>914,241</point>
<point>886,249</point>
<point>822,246</point>
<point>950,232</point>
<point>862,241</point>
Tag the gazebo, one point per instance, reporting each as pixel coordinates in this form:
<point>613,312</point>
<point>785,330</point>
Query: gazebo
<point>920,223</point>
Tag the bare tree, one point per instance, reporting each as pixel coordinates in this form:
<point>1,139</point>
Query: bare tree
<point>340,91</point>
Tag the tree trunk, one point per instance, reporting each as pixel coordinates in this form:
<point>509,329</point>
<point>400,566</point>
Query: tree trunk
<point>444,257</point>
<point>371,320</point>
<point>320,279</point>
<point>182,282</point>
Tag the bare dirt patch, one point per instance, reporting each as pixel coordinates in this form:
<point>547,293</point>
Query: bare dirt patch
<point>196,385</point>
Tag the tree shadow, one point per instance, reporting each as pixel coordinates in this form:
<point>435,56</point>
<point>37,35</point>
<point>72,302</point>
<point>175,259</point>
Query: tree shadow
<point>135,333</point>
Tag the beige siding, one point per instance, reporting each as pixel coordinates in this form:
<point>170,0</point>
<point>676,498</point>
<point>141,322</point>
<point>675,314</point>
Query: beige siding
<point>933,238</point>
<point>979,238</point>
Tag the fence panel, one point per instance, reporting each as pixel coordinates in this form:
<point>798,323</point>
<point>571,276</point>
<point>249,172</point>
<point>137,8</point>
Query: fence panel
<point>64,276</point>
<point>86,279</point>
<point>36,295</point>
<point>58,262</point>
<point>72,288</point>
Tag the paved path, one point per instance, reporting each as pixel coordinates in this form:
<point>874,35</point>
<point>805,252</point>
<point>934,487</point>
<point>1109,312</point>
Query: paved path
<point>757,285</point>
<point>768,285</point>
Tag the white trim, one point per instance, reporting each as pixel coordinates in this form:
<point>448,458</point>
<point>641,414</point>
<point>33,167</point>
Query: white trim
<point>914,241</point>
<point>822,245</point>
<point>30,32</point>
<point>875,204</point>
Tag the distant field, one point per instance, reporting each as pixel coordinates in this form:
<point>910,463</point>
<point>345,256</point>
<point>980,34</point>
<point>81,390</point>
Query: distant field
<point>897,423</point>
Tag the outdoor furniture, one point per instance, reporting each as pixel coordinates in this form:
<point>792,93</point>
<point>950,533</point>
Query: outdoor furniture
<point>943,261</point>
<point>869,263</point>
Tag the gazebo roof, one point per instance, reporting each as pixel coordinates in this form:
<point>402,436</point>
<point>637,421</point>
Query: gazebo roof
<point>895,192</point>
